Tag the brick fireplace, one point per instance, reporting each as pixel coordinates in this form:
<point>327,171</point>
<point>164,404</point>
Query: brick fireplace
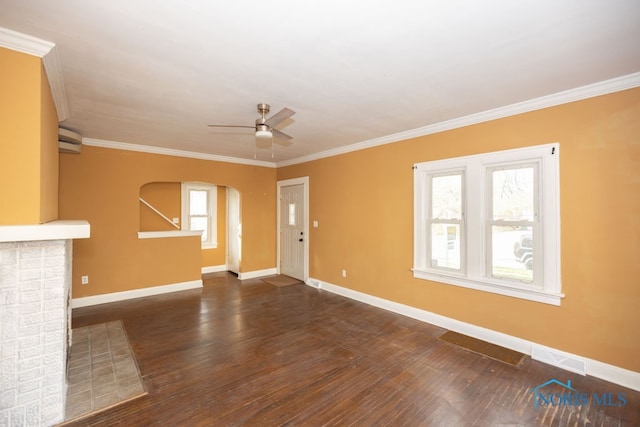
<point>35,283</point>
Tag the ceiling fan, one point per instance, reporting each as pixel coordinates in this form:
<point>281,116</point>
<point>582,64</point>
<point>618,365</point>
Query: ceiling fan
<point>264,126</point>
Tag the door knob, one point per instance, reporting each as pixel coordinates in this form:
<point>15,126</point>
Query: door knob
<point>300,240</point>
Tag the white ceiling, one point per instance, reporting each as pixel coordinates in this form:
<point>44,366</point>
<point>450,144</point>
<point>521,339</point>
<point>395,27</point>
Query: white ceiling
<point>156,72</point>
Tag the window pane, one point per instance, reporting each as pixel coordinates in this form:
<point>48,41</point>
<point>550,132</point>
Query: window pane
<point>513,191</point>
<point>512,253</point>
<point>292,214</point>
<point>200,224</point>
<point>198,202</point>
<point>446,193</point>
<point>445,246</point>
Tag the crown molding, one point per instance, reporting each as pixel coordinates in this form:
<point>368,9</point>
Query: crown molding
<point>50,60</point>
<point>24,43</point>
<point>53,68</point>
<point>173,152</point>
<point>577,94</point>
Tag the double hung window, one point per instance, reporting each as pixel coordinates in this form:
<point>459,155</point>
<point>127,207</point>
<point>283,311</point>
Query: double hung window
<point>199,211</point>
<point>491,222</point>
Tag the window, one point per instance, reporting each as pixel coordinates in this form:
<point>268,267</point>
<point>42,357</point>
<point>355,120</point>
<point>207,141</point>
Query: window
<point>491,222</point>
<point>199,211</point>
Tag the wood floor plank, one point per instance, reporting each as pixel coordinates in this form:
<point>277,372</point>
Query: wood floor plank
<point>248,353</point>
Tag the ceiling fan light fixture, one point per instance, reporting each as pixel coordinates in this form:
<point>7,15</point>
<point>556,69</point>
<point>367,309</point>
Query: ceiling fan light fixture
<point>263,132</point>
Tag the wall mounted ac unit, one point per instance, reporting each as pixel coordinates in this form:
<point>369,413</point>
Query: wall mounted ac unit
<point>69,141</point>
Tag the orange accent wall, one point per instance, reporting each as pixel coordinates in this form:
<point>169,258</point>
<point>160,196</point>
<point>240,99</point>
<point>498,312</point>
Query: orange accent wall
<point>102,186</point>
<point>28,142</point>
<point>165,197</point>
<point>49,157</point>
<point>363,202</point>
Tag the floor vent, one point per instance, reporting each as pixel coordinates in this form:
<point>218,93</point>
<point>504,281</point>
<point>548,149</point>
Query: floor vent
<point>561,360</point>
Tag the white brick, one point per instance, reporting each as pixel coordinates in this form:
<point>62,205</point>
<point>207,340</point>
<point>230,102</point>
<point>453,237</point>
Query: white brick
<point>9,348</point>
<point>53,358</point>
<point>27,366</point>
<point>34,285</point>
<point>30,296</point>
<point>30,251</point>
<point>31,308</point>
<point>33,374</point>
<point>17,416</point>
<point>52,348</point>
<point>54,337</point>
<point>10,297</point>
<point>8,277</point>
<point>30,263</point>
<point>8,378</point>
<point>32,414</point>
<point>54,294</point>
<point>56,249</point>
<point>53,272</point>
<point>7,399</point>
<point>52,386</point>
<point>52,414</point>
<point>54,325</point>
<point>28,386</point>
<point>29,275</point>
<point>54,310</point>
<point>26,398</point>
<point>29,353</point>
<point>29,335</point>
<point>53,282</point>
<point>34,319</point>
<point>8,256</point>
<point>29,341</point>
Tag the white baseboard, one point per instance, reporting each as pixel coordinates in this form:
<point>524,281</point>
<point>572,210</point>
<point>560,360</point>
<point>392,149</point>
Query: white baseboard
<point>214,269</point>
<point>607,372</point>
<point>134,293</point>
<point>257,273</point>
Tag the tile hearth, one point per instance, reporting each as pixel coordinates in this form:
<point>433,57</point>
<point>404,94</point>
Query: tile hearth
<point>102,370</point>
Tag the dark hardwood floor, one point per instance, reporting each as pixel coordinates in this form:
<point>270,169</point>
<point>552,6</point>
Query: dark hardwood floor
<point>249,353</point>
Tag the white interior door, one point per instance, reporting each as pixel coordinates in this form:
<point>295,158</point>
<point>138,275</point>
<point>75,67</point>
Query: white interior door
<point>234,230</point>
<point>292,231</point>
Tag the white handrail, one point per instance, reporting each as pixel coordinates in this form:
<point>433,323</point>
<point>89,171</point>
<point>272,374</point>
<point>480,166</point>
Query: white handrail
<point>158,212</point>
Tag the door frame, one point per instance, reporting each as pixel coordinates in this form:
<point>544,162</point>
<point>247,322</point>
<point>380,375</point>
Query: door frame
<point>305,191</point>
<point>238,233</point>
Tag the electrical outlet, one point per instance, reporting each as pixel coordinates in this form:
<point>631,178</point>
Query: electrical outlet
<point>176,220</point>
<point>85,280</point>
<point>344,273</point>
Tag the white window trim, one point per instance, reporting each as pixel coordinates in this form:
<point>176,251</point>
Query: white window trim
<point>475,199</point>
<point>212,241</point>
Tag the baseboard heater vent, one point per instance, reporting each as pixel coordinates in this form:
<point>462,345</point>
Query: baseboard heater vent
<point>561,360</point>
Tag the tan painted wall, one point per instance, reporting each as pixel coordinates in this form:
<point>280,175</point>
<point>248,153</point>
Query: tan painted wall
<point>166,197</point>
<point>103,185</point>
<point>49,156</point>
<point>363,202</point>
<point>28,142</point>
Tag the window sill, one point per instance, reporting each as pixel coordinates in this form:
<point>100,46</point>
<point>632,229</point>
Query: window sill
<point>165,234</point>
<point>501,289</point>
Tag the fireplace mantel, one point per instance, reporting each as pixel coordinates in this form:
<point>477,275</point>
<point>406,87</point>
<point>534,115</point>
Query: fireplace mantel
<point>54,230</point>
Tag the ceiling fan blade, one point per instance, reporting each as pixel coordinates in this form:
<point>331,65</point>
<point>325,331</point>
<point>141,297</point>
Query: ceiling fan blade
<point>231,126</point>
<point>280,135</point>
<point>280,116</point>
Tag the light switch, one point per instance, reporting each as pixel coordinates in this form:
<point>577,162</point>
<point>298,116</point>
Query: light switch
<point>315,224</point>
